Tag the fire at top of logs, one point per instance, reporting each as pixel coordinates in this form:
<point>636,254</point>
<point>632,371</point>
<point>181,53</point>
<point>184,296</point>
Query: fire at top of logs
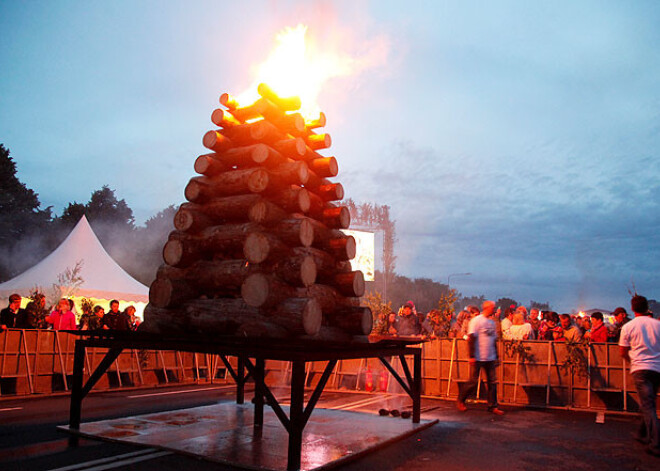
<point>258,249</point>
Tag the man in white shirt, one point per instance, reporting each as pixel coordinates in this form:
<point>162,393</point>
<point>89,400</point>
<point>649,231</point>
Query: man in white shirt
<point>640,345</point>
<point>482,338</point>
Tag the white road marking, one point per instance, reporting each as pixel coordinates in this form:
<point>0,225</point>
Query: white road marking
<point>115,461</point>
<point>10,408</point>
<point>168,393</point>
<point>365,402</point>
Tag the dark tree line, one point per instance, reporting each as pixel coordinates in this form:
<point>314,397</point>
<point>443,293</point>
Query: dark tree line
<point>31,232</point>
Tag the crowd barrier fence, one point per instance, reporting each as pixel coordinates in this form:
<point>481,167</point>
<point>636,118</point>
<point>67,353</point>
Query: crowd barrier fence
<point>536,373</point>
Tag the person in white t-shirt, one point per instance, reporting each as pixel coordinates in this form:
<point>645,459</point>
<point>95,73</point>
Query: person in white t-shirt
<point>482,338</point>
<point>640,345</point>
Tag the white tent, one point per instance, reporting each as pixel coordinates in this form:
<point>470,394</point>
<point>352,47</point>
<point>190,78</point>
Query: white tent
<point>102,277</point>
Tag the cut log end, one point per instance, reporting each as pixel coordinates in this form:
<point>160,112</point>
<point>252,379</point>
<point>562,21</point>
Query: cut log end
<point>312,317</point>
<point>308,271</point>
<point>255,290</point>
<point>256,247</point>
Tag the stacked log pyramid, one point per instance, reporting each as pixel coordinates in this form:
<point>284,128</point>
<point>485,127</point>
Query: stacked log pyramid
<point>257,250</point>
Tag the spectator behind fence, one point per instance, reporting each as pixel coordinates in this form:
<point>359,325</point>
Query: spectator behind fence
<point>407,322</point>
<point>132,318</point>
<point>598,332</point>
<point>507,322</point>
<point>551,328</point>
<point>534,320</point>
<point>520,330</point>
<point>13,317</point>
<point>116,320</point>
<point>62,318</point>
<point>93,320</point>
<point>640,345</point>
<point>620,319</point>
<point>569,331</point>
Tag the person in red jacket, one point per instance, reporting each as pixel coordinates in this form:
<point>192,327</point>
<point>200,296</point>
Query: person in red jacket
<point>62,318</point>
<point>598,332</point>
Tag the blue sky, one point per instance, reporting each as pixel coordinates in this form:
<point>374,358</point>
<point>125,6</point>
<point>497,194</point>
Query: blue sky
<point>517,141</point>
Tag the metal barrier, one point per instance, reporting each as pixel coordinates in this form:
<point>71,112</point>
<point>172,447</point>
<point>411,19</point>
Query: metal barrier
<point>539,373</point>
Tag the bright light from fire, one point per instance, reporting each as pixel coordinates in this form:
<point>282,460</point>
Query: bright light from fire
<point>296,68</point>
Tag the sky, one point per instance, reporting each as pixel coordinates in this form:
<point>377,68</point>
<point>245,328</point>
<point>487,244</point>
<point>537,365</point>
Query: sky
<point>516,141</point>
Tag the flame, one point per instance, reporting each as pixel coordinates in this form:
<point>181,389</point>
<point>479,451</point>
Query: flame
<point>296,68</point>
<point>581,314</point>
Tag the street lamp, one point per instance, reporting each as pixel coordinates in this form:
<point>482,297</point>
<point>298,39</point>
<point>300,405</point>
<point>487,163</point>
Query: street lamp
<point>456,274</point>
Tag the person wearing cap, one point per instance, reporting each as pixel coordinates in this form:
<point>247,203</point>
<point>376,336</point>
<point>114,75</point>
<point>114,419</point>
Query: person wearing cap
<point>620,318</point>
<point>407,322</point>
<point>640,345</point>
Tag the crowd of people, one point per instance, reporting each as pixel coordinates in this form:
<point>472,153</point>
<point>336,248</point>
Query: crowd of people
<point>514,323</point>
<point>638,339</point>
<point>62,317</point>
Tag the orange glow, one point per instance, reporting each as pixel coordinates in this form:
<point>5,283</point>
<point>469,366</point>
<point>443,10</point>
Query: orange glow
<point>297,68</point>
<point>581,314</point>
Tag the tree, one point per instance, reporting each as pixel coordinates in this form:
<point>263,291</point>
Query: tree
<point>540,306</point>
<point>21,218</point>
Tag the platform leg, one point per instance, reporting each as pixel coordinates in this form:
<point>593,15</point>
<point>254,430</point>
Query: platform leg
<point>240,381</point>
<point>259,373</point>
<point>296,415</point>
<point>75,409</point>
<point>416,388</point>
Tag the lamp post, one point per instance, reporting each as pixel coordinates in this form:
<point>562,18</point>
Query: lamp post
<point>456,274</point>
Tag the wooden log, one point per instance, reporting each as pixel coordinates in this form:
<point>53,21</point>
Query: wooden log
<point>209,165</point>
<point>316,123</point>
<point>330,192</point>
<point>234,182</point>
<point>290,123</point>
<point>350,284</point>
<point>182,249</point>
<point>178,253</point>
<point>318,141</point>
<point>324,167</point>
<point>333,241</point>
<point>216,142</point>
<point>298,270</point>
<point>262,108</point>
<point>326,265</point>
<point>252,133</point>
<point>295,232</point>
<point>247,156</point>
<point>229,101</point>
<point>285,104</point>
<point>293,199</point>
<point>290,173</point>
<point>328,297</point>
<point>164,292</point>
<point>352,320</point>
<point>260,246</point>
<point>190,219</point>
<point>223,119</point>
<point>265,212</point>
<point>336,217</point>
<point>294,148</point>
<point>229,208</point>
<point>298,315</point>
<point>260,289</point>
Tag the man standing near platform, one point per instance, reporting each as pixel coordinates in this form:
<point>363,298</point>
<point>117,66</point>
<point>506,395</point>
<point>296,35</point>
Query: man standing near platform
<point>640,345</point>
<point>482,338</point>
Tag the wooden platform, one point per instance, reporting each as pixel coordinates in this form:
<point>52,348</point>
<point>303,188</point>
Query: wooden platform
<point>224,433</point>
